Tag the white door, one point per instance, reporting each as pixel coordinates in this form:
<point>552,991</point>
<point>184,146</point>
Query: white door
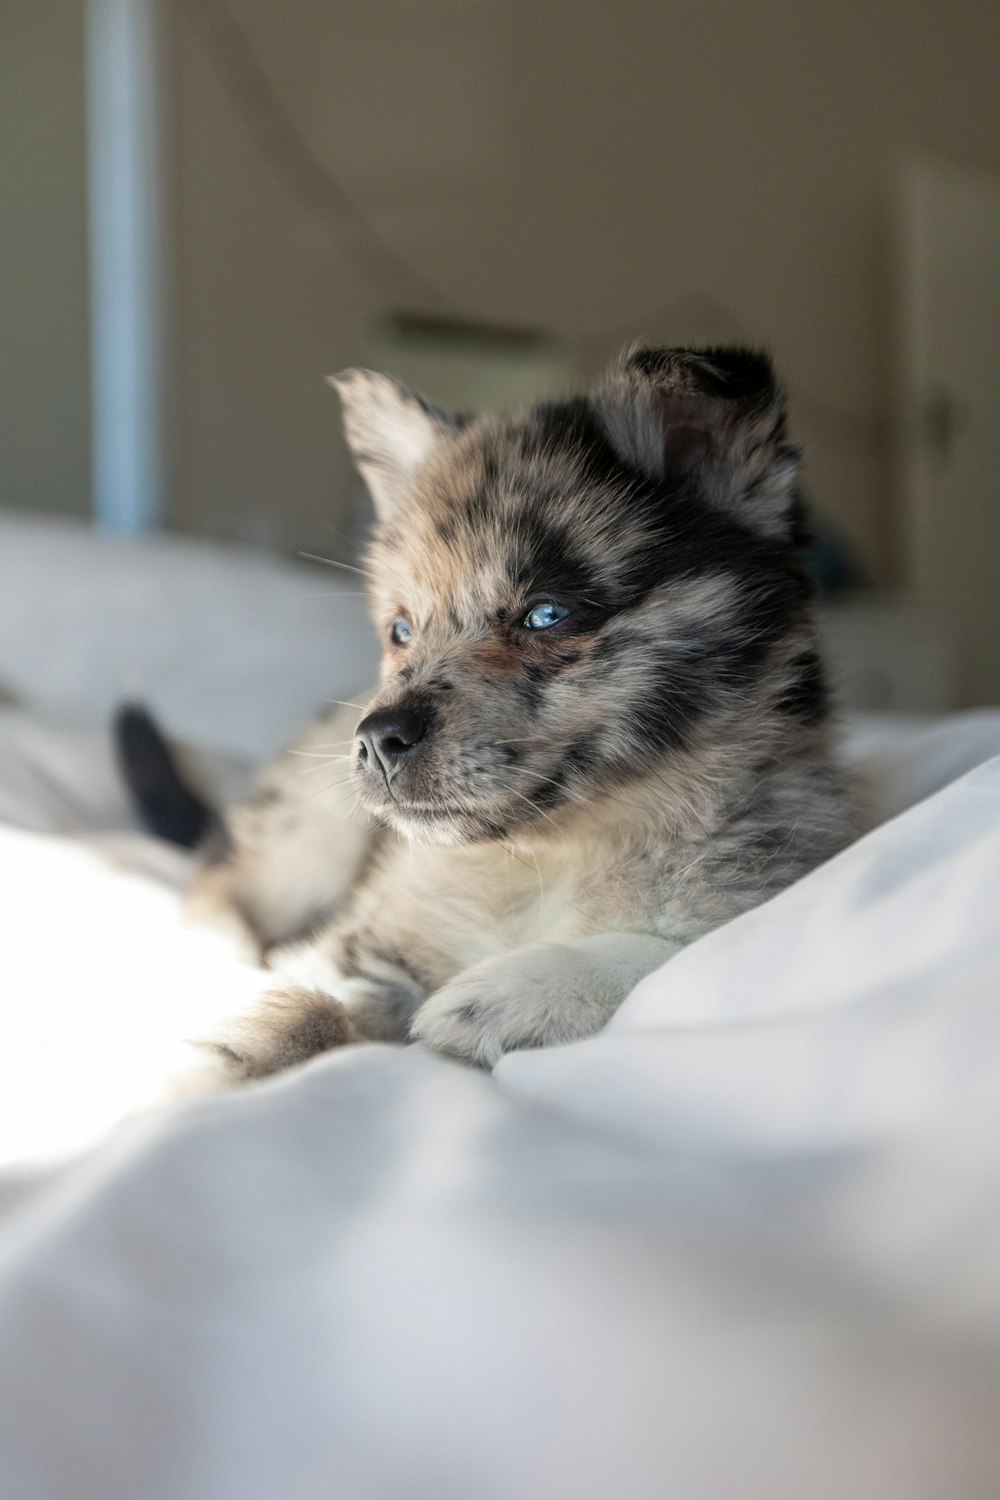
<point>950,418</point>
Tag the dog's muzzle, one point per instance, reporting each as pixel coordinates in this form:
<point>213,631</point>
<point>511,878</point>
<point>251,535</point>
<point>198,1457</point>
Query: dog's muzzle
<point>389,739</point>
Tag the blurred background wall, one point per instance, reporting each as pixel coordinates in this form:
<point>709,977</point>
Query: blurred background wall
<point>44,359</point>
<point>675,171</point>
<point>678,171</point>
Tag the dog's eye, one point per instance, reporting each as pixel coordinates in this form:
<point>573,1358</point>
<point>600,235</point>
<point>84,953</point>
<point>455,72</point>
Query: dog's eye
<point>544,616</point>
<point>401,632</point>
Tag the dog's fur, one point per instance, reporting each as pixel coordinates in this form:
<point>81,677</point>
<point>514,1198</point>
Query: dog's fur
<point>588,798</point>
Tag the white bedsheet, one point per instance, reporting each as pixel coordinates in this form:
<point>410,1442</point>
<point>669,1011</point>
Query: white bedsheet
<point>744,1243</point>
<point>747,1242</point>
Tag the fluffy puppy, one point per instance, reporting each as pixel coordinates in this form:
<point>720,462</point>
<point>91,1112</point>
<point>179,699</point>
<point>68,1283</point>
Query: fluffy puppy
<point>602,726</point>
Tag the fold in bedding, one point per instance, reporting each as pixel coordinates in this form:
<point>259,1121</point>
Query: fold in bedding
<point>745,1242</point>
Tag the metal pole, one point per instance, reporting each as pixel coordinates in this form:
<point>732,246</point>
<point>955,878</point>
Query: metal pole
<point>123,41</point>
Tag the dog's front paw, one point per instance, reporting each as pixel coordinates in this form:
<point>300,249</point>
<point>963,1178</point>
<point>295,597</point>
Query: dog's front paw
<point>507,1006</point>
<point>285,1027</point>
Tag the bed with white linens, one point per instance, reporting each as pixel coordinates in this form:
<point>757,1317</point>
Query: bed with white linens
<point>744,1243</point>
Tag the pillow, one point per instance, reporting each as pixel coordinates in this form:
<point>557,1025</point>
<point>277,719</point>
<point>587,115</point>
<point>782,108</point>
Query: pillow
<point>231,647</point>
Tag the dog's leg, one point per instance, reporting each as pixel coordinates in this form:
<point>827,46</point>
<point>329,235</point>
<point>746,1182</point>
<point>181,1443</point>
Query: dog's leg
<point>538,996</point>
<point>299,1020</point>
<point>285,1027</point>
<point>293,851</point>
<point>534,997</point>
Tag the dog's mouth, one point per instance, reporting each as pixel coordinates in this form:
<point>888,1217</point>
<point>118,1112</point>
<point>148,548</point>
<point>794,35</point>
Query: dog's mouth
<point>444,823</point>
<point>451,815</point>
<point>406,812</point>
<point>422,812</point>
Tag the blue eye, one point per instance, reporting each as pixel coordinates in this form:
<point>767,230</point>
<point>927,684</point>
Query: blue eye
<point>401,632</point>
<point>544,616</point>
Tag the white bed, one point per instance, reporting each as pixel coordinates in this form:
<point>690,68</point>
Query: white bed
<point>744,1243</point>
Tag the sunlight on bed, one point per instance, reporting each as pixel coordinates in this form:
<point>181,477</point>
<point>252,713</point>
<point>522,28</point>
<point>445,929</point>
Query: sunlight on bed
<point>103,984</point>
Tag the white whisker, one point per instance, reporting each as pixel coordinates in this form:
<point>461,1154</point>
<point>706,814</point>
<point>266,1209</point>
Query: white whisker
<point>331,562</point>
<point>513,792</point>
<point>319,755</point>
<point>334,785</point>
<point>536,775</point>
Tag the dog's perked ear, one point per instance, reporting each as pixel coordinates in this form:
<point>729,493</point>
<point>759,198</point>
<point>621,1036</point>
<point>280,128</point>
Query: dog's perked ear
<point>391,432</point>
<point>714,418</point>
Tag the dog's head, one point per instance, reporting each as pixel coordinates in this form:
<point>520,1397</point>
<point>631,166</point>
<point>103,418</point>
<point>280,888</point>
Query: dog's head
<point>570,595</point>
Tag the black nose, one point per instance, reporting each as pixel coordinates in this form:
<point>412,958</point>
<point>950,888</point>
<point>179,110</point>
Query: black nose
<point>389,736</point>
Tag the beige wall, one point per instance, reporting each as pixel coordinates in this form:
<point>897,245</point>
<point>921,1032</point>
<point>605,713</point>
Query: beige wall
<point>571,165</point>
<point>578,166</point>
<point>263,304</point>
<point>44,377</point>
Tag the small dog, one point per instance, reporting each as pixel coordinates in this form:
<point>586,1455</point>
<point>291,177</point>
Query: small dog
<point>602,727</point>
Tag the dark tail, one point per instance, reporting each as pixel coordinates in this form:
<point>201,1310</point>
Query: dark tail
<point>167,805</point>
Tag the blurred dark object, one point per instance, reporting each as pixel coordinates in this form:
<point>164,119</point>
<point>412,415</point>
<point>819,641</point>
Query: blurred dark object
<point>831,560</point>
<point>166,804</point>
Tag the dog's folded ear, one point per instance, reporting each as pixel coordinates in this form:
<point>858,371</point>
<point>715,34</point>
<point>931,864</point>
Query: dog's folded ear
<point>711,419</point>
<point>391,432</point>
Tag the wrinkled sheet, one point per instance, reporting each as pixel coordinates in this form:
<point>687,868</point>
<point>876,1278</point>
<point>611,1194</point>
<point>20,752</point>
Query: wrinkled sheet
<point>745,1243</point>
